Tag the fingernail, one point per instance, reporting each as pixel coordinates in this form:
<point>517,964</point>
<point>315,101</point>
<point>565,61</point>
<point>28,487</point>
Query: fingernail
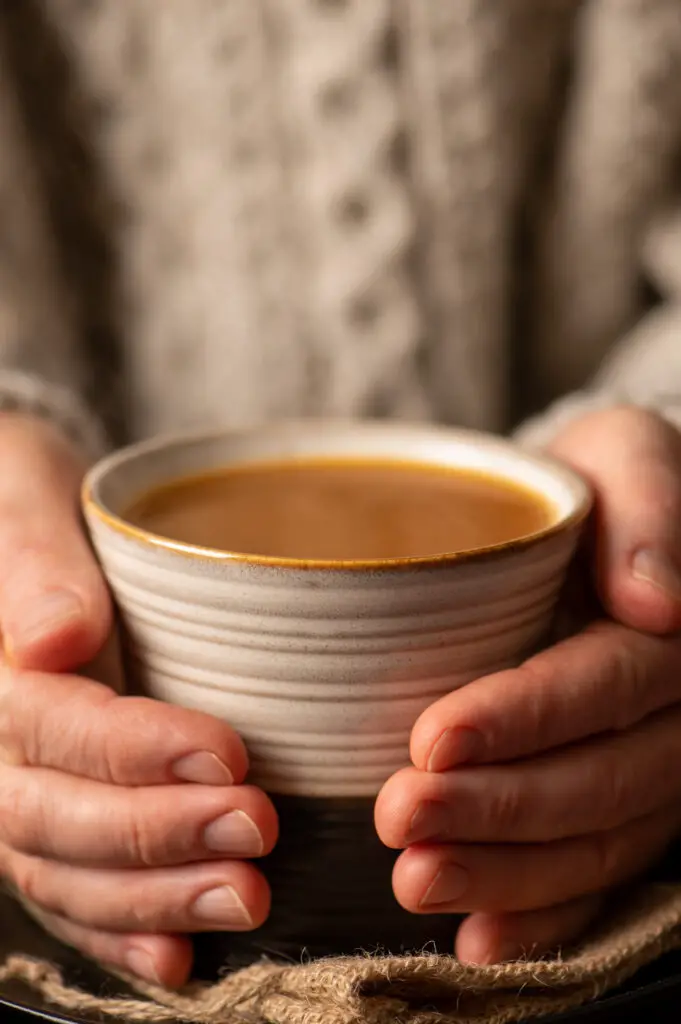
<point>455,746</point>
<point>448,886</point>
<point>235,834</point>
<point>654,567</point>
<point>222,906</point>
<point>431,820</point>
<point>203,767</point>
<point>141,963</point>
<point>45,615</point>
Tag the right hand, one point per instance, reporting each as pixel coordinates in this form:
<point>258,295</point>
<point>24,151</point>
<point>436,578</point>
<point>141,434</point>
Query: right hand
<point>123,821</point>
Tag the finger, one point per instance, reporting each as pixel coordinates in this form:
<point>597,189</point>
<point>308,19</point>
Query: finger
<point>82,728</point>
<point>503,878</point>
<point>591,786</point>
<point>160,959</point>
<point>497,938</point>
<point>632,459</point>
<point>55,611</point>
<point>560,695</point>
<point>53,815</point>
<point>220,896</point>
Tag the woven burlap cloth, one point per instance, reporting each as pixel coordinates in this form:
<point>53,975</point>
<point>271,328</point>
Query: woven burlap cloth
<point>423,989</point>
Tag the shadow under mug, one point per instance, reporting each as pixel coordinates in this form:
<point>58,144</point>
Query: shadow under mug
<point>323,667</point>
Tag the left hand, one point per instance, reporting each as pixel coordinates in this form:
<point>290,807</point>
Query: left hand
<point>536,790</point>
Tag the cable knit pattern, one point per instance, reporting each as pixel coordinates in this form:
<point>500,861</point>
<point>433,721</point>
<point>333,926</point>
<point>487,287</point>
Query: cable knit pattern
<point>617,160</point>
<point>215,211</point>
<point>190,140</point>
<point>484,80</point>
<point>462,176</point>
<point>346,118</point>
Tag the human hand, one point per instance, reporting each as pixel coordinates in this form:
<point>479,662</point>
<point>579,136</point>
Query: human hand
<point>536,790</point>
<point>123,823</point>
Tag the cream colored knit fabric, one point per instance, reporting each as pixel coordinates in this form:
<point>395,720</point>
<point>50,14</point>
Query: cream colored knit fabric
<point>221,210</point>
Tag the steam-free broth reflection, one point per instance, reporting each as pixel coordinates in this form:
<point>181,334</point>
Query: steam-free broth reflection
<point>341,510</point>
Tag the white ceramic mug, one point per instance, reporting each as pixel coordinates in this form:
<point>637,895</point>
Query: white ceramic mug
<point>323,668</point>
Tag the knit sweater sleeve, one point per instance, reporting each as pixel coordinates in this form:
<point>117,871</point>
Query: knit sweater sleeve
<point>41,367</point>
<point>644,369</point>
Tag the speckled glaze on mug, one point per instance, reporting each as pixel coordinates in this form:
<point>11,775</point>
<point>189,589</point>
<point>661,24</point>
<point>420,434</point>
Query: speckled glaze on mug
<point>323,667</point>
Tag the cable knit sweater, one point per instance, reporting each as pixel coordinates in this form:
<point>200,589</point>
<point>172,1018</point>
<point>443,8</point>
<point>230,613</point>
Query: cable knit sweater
<point>213,211</point>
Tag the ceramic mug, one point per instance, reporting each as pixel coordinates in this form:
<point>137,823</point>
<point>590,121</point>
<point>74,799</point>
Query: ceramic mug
<point>324,667</point>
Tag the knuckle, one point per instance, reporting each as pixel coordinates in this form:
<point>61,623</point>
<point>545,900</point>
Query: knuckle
<point>74,747</point>
<point>131,728</point>
<point>157,915</point>
<point>28,877</point>
<point>505,809</point>
<point>142,914</point>
<point>627,420</point>
<point>126,725</point>
<point>19,818</point>
<point>155,839</point>
<point>541,682</point>
<point>117,755</point>
<point>153,907</point>
<point>633,685</point>
<point>615,788</point>
<point>138,840</point>
<point>13,719</point>
<point>608,859</point>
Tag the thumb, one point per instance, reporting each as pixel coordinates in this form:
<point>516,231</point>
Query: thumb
<point>55,612</point>
<point>632,458</point>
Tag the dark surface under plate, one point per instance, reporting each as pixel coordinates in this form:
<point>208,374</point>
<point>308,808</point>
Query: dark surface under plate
<point>18,933</point>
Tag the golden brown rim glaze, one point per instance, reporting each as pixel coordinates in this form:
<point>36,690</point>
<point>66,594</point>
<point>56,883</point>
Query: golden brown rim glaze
<point>574,519</point>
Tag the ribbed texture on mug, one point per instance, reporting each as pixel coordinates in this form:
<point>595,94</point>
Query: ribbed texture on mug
<point>324,673</point>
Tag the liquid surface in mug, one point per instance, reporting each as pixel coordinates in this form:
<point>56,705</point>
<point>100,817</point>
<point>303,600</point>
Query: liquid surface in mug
<point>341,509</point>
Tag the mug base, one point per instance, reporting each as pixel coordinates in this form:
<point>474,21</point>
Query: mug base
<point>331,894</point>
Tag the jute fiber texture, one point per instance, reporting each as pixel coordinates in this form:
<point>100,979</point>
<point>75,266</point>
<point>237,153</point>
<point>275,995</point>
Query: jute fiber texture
<point>424,989</point>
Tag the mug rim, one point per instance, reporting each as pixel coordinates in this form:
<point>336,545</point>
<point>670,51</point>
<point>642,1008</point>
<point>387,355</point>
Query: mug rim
<point>94,507</point>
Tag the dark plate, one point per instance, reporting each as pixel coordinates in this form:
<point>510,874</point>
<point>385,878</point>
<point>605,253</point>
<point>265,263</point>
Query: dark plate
<point>19,1003</point>
<point>655,994</point>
